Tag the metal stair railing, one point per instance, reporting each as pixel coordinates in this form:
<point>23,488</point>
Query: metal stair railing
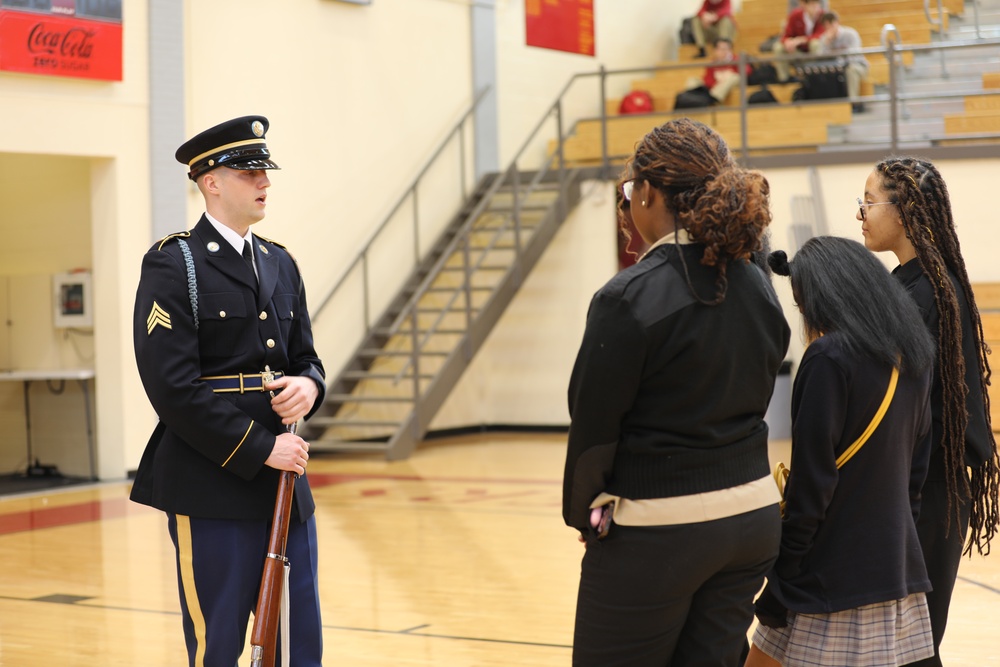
<point>526,246</point>
<point>411,193</point>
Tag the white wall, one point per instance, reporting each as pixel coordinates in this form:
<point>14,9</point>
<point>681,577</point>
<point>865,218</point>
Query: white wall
<point>103,126</point>
<point>357,96</point>
<point>521,374</point>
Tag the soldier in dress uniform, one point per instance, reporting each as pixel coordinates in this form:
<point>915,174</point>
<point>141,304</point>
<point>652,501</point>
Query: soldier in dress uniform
<point>225,351</point>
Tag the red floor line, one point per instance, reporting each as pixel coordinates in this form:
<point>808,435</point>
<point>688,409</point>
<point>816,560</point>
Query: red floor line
<point>116,508</point>
<point>317,480</point>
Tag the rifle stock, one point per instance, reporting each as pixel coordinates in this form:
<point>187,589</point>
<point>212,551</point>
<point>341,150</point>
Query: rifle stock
<point>264,637</point>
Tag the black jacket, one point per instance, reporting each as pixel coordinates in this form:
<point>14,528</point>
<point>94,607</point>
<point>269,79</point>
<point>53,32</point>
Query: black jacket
<point>978,446</point>
<point>206,457</point>
<point>668,395</point>
<point>849,536</point>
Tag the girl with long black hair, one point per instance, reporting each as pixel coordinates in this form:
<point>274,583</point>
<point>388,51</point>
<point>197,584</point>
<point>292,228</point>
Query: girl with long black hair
<point>848,588</point>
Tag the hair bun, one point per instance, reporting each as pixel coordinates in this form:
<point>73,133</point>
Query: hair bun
<point>778,261</point>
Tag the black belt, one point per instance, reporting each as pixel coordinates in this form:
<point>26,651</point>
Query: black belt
<point>240,383</point>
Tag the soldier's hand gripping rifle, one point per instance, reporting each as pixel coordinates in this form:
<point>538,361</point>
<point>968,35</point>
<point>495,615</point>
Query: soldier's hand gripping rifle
<point>264,637</point>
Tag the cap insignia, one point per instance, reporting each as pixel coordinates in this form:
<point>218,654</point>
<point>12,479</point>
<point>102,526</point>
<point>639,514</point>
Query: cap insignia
<point>212,246</point>
<point>258,128</point>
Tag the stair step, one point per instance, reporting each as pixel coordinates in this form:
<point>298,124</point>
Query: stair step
<point>421,332</point>
<point>366,375</point>
<point>334,421</point>
<point>497,246</point>
<point>458,288</point>
<point>328,445</point>
<point>525,229</point>
<point>484,267</point>
<point>379,352</point>
<point>351,398</point>
<point>509,208</point>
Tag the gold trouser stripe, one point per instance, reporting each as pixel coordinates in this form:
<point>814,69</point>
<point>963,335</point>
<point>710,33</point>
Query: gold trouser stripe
<point>185,554</point>
<point>239,445</point>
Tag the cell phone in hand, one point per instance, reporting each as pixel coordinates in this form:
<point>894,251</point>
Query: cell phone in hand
<point>605,523</point>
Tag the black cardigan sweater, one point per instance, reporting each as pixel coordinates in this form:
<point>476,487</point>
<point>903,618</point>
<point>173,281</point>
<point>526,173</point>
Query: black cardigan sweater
<point>668,395</point>
<point>978,446</point>
<point>849,536</point>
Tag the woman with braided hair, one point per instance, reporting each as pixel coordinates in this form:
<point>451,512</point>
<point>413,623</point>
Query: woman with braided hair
<point>667,477</point>
<point>907,211</point>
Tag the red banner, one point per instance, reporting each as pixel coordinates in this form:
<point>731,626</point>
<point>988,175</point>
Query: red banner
<point>60,46</point>
<point>563,25</point>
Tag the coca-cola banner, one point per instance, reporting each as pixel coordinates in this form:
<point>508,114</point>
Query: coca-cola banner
<point>78,38</point>
<point>563,25</point>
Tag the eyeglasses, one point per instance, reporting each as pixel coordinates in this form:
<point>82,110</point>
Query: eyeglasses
<point>627,189</point>
<point>862,205</point>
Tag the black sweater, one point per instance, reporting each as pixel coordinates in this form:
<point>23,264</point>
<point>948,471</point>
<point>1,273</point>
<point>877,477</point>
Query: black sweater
<point>668,395</point>
<point>849,536</point>
<point>978,447</point>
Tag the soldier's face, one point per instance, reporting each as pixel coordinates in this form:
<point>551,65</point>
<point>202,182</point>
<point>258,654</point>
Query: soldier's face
<point>243,193</point>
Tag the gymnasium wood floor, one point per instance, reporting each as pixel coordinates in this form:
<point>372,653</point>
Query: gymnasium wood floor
<point>457,556</point>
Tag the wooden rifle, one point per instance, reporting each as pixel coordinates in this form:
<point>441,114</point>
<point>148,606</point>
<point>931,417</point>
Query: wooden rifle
<point>264,637</point>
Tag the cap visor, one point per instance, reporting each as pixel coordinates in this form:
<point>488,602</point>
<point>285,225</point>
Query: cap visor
<point>260,163</point>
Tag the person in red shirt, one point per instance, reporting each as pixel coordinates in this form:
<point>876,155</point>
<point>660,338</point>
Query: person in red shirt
<point>802,30</point>
<point>713,21</point>
<point>721,79</point>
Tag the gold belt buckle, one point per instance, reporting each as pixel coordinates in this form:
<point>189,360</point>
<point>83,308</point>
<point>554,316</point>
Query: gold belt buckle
<point>266,378</point>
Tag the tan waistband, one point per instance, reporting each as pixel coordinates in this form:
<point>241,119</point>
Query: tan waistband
<point>694,508</point>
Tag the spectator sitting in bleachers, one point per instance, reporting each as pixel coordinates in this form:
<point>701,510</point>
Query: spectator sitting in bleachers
<point>841,40</point>
<point>793,4</point>
<point>720,79</point>
<point>802,30</point>
<point>713,21</point>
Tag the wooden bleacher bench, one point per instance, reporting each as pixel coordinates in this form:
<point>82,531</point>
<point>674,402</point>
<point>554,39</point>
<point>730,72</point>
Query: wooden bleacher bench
<point>981,116</point>
<point>773,126</point>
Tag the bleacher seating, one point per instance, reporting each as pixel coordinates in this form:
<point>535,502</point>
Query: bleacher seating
<point>773,126</point>
<point>770,129</point>
<point>981,114</point>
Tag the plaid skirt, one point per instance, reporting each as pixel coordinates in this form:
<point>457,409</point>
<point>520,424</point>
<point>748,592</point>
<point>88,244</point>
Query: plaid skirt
<point>884,634</point>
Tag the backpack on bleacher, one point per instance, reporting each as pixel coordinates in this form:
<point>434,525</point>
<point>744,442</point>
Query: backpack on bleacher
<point>694,98</point>
<point>762,73</point>
<point>762,96</point>
<point>686,33</point>
<point>638,101</point>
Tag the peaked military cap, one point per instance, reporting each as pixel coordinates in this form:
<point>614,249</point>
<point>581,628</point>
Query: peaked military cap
<point>237,144</point>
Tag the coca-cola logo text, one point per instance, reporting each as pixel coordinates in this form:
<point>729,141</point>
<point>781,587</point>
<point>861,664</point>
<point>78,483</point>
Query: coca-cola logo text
<point>72,43</point>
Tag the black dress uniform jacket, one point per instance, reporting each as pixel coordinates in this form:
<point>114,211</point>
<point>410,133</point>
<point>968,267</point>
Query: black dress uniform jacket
<point>206,456</point>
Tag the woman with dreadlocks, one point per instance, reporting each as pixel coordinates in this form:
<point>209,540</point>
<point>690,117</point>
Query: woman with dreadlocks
<point>907,211</point>
<point>848,588</point>
<point>667,476</point>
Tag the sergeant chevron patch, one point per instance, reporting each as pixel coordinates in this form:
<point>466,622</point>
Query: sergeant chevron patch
<point>157,316</point>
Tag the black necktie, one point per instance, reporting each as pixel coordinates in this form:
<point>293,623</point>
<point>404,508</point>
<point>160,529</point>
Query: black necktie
<point>248,256</point>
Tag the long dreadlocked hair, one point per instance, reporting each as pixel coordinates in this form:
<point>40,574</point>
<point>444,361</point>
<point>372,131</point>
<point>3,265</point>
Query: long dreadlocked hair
<point>920,194</point>
<point>718,203</point>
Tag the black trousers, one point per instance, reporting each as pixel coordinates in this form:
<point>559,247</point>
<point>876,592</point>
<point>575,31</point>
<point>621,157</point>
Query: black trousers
<point>677,596</point>
<point>942,556</point>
